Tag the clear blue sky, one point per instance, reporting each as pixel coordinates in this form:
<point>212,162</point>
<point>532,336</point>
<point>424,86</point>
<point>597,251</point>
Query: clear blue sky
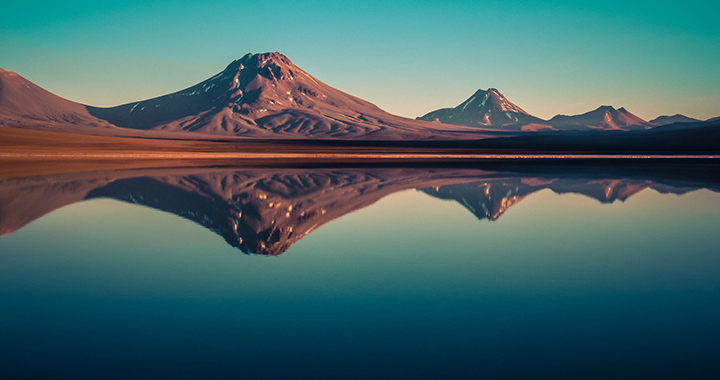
<point>408,57</point>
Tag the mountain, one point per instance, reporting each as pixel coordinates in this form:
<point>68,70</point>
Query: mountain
<point>24,103</point>
<point>266,210</point>
<point>484,109</point>
<point>604,117</point>
<point>266,95</point>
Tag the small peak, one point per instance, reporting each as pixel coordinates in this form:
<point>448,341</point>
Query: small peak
<point>481,92</point>
<point>605,108</point>
<point>234,65</point>
<point>262,59</point>
<point>7,73</point>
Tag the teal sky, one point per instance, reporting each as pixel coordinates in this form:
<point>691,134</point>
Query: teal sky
<point>408,57</point>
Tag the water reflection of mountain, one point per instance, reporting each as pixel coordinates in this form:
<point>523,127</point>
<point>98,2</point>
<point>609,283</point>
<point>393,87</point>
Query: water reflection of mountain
<point>265,211</point>
<point>490,199</point>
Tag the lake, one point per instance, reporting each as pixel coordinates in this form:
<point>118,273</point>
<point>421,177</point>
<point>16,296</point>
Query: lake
<point>484,271</point>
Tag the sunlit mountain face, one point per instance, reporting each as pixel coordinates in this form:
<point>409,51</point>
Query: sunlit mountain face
<point>265,211</point>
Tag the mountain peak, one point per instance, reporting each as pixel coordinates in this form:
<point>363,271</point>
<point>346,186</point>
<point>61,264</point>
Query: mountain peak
<point>272,65</point>
<point>7,73</point>
<point>489,100</point>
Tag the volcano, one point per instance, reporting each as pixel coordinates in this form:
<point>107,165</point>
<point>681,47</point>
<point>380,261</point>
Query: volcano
<point>484,109</point>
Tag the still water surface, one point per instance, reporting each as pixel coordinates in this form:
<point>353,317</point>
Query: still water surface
<point>394,273</point>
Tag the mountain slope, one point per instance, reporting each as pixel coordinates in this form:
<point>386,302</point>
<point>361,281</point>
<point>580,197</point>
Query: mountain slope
<point>483,109</point>
<point>22,103</point>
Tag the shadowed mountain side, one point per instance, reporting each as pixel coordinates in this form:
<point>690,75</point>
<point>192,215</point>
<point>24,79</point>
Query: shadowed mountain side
<point>265,211</point>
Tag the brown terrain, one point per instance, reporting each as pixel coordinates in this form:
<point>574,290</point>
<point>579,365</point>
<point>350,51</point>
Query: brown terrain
<point>266,210</point>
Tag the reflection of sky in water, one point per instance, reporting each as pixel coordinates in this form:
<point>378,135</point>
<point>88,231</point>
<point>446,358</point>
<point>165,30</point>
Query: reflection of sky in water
<point>412,285</point>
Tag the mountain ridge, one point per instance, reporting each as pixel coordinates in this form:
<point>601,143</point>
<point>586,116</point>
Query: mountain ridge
<point>266,96</point>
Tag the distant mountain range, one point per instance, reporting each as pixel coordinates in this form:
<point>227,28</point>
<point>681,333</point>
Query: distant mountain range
<point>491,110</point>
<point>677,118</point>
<point>264,211</point>
<point>267,96</point>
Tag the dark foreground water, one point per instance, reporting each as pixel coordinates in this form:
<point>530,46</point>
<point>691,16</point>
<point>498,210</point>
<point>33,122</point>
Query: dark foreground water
<point>377,273</point>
